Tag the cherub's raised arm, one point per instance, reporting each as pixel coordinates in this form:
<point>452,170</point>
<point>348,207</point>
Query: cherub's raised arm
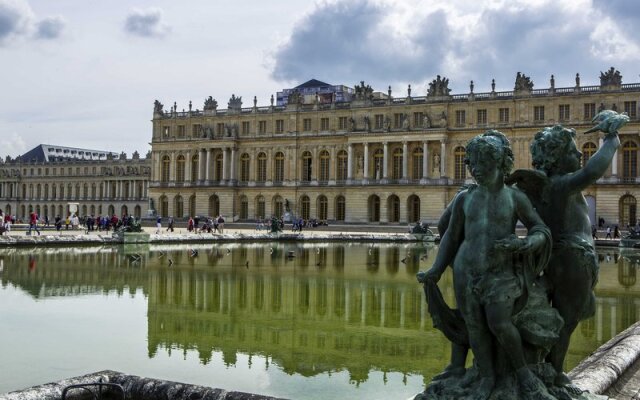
<point>597,165</point>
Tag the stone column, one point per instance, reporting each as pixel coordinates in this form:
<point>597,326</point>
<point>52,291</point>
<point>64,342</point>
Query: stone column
<point>443,158</point>
<point>202,154</point>
<point>187,167</point>
<point>208,166</point>
<point>365,174</point>
<point>405,160</point>
<point>233,163</point>
<point>224,164</point>
<point>350,162</point>
<point>385,160</point>
<point>172,167</point>
<point>425,160</point>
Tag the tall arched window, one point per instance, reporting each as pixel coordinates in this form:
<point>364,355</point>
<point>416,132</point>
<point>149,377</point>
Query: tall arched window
<point>460,170</point>
<point>305,207</point>
<point>342,167</point>
<point>417,163</point>
<point>164,172</point>
<point>38,191</point>
<point>164,207</point>
<point>323,208</point>
<point>245,162</point>
<point>324,159</point>
<point>397,164</point>
<point>179,207</point>
<point>629,160</point>
<point>46,191</point>
<point>278,167</point>
<point>261,167</point>
<point>588,150</point>
<point>195,168</point>
<point>180,168</point>
<point>340,208</point>
<point>307,161</point>
<point>85,191</point>
<point>218,172</point>
<point>260,208</point>
<point>378,160</point>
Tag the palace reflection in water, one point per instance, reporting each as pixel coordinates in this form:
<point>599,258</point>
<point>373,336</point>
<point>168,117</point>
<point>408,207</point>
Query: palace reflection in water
<point>307,308</point>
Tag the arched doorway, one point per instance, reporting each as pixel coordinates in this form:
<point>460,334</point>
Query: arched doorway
<point>124,210</point>
<point>192,205</point>
<point>374,208</point>
<point>244,207</point>
<point>627,209</point>
<point>413,208</point>
<point>260,207</point>
<point>137,212</point>
<point>179,207</point>
<point>305,207</point>
<point>164,206</point>
<point>393,205</point>
<point>323,208</point>
<point>214,206</point>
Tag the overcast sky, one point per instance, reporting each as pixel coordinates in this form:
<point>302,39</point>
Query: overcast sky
<point>85,73</point>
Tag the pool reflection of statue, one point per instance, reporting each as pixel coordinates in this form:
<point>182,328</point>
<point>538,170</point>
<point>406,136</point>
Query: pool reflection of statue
<point>503,314</point>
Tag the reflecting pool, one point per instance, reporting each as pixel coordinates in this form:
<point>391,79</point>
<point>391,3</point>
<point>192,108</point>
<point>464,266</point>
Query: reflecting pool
<point>293,320</point>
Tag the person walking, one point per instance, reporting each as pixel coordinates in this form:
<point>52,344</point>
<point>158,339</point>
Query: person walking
<point>158,225</point>
<point>170,224</point>
<point>33,223</point>
<point>221,224</point>
<point>616,232</point>
<point>608,232</point>
<point>594,232</point>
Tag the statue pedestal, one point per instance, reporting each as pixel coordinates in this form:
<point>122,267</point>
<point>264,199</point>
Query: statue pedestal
<point>288,217</point>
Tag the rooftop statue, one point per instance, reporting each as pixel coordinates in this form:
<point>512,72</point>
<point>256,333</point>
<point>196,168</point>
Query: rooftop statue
<point>523,83</point>
<point>294,98</point>
<point>363,92</point>
<point>235,102</point>
<point>438,87</point>
<point>158,108</point>
<point>518,339</point>
<point>210,104</point>
<point>610,78</point>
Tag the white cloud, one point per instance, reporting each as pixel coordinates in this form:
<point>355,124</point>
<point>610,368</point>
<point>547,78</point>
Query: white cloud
<point>13,145</point>
<point>146,23</point>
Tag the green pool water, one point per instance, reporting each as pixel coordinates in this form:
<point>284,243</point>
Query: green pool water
<point>292,320</point>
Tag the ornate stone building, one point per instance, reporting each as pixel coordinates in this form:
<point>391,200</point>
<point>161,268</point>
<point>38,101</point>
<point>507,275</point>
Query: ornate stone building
<point>48,178</point>
<point>379,157</point>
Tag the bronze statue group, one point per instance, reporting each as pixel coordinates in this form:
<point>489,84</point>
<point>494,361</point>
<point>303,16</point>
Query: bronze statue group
<point>518,299</point>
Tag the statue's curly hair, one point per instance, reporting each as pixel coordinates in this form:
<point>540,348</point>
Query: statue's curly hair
<point>550,145</point>
<point>498,147</point>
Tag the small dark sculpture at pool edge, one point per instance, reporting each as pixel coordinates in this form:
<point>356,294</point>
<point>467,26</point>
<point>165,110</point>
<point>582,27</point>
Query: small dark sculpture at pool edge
<point>509,312</point>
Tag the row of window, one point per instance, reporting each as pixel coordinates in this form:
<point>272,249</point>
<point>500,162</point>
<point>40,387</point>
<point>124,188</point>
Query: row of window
<point>94,192</point>
<point>304,208</point>
<point>400,120</point>
<point>324,166</point>
<point>564,113</point>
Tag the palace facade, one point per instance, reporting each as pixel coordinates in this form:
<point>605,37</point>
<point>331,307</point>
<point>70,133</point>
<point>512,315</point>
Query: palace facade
<point>373,157</point>
<point>51,180</point>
